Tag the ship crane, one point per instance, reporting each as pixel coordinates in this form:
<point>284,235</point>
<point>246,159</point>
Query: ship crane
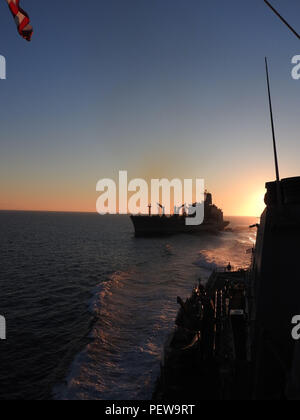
<point>177,209</point>
<point>162,207</point>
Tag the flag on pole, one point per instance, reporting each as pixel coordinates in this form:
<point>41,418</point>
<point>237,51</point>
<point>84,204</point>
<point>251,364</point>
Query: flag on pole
<point>21,19</point>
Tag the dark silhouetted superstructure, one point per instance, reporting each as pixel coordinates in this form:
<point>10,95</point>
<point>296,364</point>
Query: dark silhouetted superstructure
<point>276,292</point>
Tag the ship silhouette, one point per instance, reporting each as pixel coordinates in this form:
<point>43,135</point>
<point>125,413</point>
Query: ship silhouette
<point>162,224</point>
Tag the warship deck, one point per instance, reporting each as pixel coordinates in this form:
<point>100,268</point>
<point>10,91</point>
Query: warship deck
<point>206,356</point>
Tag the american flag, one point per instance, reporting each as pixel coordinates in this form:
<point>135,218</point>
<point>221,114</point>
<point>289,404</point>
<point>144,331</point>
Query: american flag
<point>21,19</point>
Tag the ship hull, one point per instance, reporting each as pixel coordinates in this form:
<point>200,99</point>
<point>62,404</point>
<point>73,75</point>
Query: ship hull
<point>147,226</point>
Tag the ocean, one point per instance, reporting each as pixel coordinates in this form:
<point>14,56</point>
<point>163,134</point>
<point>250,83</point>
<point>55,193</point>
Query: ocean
<point>88,306</point>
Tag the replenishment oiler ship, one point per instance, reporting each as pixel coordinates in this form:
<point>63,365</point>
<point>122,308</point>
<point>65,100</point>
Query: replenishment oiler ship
<point>160,225</point>
<point>235,336</point>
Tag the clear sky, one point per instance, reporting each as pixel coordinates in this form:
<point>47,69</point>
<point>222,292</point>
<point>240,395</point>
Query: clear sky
<point>161,88</point>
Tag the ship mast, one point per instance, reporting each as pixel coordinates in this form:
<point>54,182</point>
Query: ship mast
<point>282,19</point>
<point>279,195</point>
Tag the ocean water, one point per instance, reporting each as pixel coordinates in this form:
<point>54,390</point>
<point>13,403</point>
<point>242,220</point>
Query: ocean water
<point>88,306</point>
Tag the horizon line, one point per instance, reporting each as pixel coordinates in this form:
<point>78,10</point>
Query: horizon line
<point>87,212</point>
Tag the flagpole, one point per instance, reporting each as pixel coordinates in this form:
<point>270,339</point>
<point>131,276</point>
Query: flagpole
<point>282,18</point>
<point>279,195</point>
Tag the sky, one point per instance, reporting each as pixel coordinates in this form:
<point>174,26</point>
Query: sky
<point>160,88</point>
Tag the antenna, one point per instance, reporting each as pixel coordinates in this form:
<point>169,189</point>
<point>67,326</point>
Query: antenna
<point>282,19</point>
<point>279,195</point>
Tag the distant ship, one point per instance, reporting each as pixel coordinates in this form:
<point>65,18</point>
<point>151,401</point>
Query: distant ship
<point>161,225</point>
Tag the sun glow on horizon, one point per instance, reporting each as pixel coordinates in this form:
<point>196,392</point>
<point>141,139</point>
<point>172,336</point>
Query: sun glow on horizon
<point>254,206</point>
